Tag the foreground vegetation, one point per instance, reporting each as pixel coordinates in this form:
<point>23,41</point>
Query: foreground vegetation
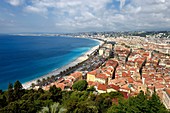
<point>81,100</point>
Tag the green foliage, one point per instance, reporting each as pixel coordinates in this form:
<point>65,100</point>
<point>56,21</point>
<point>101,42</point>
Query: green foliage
<point>91,89</point>
<point>54,108</point>
<point>10,92</point>
<point>56,93</point>
<point>18,91</point>
<point>155,105</point>
<point>17,86</point>
<point>86,107</point>
<point>86,101</point>
<point>80,85</point>
<point>139,104</point>
<point>54,90</point>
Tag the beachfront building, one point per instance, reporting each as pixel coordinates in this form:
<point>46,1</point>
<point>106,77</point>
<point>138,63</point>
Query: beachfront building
<point>108,46</point>
<point>106,50</point>
<point>66,82</point>
<point>76,76</point>
<point>101,51</point>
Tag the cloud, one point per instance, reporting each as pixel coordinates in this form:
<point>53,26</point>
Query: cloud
<point>38,10</point>
<point>122,3</point>
<point>15,2</point>
<point>100,15</point>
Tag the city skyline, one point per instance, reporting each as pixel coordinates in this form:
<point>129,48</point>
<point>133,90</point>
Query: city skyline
<point>17,16</point>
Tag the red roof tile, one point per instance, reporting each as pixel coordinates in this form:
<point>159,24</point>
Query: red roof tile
<point>125,87</point>
<point>101,76</point>
<point>114,87</point>
<point>102,87</point>
<point>94,72</point>
<point>125,74</point>
<point>91,83</point>
<point>111,63</point>
<point>168,91</point>
<point>130,80</point>
<point>60,85</point>
<point>76,75</point>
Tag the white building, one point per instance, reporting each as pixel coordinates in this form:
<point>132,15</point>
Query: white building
<point>166,98</point>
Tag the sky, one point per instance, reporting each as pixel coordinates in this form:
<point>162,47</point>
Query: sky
<point>67,16</point>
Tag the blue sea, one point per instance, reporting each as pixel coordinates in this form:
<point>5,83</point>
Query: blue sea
<point>25,58</point>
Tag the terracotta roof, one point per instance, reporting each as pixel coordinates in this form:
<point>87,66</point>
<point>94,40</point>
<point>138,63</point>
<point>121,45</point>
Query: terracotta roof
<point>107,72</point>
<point>146,54</point>
<point>159,86</point>
<point>114,87</point>
<point>111,63</point>
<point>101,76</point>
<point>133,69</point>
<point>110,69</point>
<point>130,80</point>
<point>61,85</point>
<point>94,72</point>
<point>102,87</point>
<point>145,75</point>
<point>125,87</point>
<point>76,75</point>
<point>60,80</point>
<point>125,74</point>
<point>91,83</point>
<point>168,91</point>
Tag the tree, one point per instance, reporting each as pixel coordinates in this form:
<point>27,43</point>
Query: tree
<point>54,108</point>
<point>40,90</point>
<point>2,101</point>
<point>18,86</point>
<point>56,93</point>
<point>33,85</point>
<point>92,88</point>
<point>86,107</point>
<point>155,105</point>
<point>10,93</point>
<point>38,81</point>
<point>44,81</point>
<point>18,90</point>
<point>139,102</point>
<point>80,85</point>
<point>1,91</point>
<point>54,90</point>
<point>120,108</point>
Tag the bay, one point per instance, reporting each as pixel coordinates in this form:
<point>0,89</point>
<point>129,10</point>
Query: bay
<point>25,58</point>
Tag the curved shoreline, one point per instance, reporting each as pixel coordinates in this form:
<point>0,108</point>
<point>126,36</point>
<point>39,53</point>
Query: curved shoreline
<point>82,58</point>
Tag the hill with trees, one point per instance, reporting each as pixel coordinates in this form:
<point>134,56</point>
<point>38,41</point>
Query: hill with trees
<point>80,100</point>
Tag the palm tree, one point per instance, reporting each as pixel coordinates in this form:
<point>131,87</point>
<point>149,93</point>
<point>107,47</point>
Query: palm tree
<point>38,81</point>
<point>54,108</point>
<point>48,78</point>
<point>44,81</point>
<point>52,78</point>
<point>32,85</point>
<point>45,110</point>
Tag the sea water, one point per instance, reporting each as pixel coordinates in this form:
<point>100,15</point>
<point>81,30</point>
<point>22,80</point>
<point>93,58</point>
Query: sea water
<point>25,58</point>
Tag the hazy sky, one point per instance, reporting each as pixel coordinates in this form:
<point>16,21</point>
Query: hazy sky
<point>17,16</point>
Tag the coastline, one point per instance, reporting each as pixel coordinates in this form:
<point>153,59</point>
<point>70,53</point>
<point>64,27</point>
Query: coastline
<point>82,58</point>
